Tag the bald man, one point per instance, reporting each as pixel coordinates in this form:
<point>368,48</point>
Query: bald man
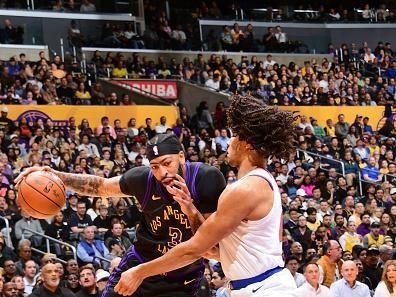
<point>312,287</point>
<point>348,286</point>
<point>50,287</point>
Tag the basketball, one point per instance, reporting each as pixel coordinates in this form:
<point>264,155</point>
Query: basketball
<point>41,194</point>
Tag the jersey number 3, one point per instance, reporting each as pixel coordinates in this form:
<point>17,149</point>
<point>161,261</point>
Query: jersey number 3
<point>175,237</point>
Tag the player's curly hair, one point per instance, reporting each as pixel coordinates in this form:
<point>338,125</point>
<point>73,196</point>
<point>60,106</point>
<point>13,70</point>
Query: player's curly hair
<point>271,132</point>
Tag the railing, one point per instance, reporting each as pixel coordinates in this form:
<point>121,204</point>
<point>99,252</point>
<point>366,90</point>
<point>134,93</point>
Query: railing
<point>8,232</point>
<point>330,160</point>
<point>103,259</point>
<point>390,177</point>
<point>387,177</point>
<point>47,240</point>
<point>362,181</point>
<point>134,6</point>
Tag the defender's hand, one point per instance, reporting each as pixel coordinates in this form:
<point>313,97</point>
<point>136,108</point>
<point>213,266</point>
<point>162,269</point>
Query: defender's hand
<point>129,282</point>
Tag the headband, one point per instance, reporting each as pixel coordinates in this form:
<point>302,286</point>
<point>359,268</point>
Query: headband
<point>169,146</point>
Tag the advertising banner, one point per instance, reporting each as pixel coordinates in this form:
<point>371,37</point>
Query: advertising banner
<point>60,114</point>
<point>154,88</point>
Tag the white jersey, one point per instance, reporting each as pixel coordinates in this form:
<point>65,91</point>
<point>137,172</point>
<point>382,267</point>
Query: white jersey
<point>255,246</point>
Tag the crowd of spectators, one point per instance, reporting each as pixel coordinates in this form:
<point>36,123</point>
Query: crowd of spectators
<point>352,76</point>
<point>330,216</point>
<point>51,82</point>
<point>309,11</point>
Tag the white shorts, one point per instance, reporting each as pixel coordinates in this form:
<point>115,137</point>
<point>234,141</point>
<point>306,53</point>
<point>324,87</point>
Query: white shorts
<point>280,284</point>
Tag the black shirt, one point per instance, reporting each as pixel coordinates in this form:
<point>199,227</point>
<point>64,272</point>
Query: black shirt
<point>59,232</point>
<point>163,224</point>
<point>44,292</point>
<point>64,92</point>
<point>68,212</point>
<point>99,222</point>
<point>84,293</point>
<point>75,221</point>
<point>374,275</point>
<point>8,124</point>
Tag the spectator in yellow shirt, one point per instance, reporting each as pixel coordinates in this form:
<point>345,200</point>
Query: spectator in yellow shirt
<point>106,162</point>
<point>373,147</point>
<point>312,221</point>
<point>330,129</point>
<point>164,72</point>
<point>307,69</point>
<point>119,71</point>
<point>82,95</point>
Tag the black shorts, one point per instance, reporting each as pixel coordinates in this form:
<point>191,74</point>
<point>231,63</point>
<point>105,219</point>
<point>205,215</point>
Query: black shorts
<point>185,285</point>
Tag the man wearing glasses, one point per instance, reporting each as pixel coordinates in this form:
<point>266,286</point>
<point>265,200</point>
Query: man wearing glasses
<point>9,270</point>
<point>329,263</point>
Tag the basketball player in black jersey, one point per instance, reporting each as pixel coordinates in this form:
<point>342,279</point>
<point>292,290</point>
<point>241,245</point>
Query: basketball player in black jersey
<point>167,220</point>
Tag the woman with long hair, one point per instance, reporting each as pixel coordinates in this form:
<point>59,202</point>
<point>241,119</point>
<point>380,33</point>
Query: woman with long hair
<point>308,185</point>
<point>63,166</point>
<point>84,165</point>
<point>11,200</point>
<point>93,212</point>
<point>177,128</point>
<point>82,95</point>
<point>328,192</point>
<point>376,214</point>
<point>387,286</point>
<point>352,135</point>
<point>120,159</point>
<point>386,222</point>
<point>383,167</point>
<point>25,130</point>
<point>83,127</point>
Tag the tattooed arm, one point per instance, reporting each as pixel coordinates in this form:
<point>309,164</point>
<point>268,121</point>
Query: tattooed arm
<point>91,185</point>
<point>83,184</point>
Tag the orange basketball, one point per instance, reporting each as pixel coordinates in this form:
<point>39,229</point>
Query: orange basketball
<point>41,194</point>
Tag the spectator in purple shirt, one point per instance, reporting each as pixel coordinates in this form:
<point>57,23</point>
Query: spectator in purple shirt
<point>364,227</point>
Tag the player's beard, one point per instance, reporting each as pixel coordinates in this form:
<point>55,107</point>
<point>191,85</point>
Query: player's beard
<point>168,177</point>
<point>180,171</point>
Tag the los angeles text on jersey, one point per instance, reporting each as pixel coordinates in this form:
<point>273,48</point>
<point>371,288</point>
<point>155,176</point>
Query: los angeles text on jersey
<point>168,213</point>
<point>175,234</point>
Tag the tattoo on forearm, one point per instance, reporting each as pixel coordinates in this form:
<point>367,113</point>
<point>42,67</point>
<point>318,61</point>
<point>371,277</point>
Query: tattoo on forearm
<point>89,185</point>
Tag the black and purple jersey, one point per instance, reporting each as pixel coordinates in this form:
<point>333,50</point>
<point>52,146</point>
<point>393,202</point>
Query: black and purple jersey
<point>163,224</point>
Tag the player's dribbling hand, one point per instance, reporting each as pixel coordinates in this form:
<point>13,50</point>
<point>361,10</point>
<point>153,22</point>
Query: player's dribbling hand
<point>181,194</point>
<point>29,170</point>
<point>129,282</point>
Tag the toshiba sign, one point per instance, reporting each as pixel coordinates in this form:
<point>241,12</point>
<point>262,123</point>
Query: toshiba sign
<point>154,88</point>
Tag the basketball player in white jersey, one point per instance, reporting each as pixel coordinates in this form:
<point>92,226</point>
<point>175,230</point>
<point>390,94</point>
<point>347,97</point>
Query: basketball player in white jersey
<point>247,225</point>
